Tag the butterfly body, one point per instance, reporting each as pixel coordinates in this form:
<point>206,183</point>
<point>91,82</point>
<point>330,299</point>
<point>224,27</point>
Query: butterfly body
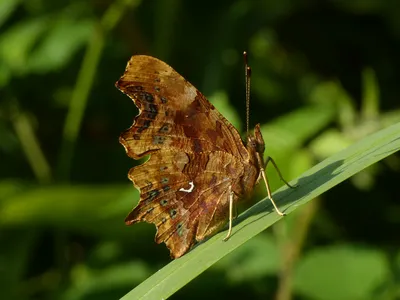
<point>197,158</point>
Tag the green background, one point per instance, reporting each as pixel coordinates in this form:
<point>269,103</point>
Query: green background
<point>324,75</point>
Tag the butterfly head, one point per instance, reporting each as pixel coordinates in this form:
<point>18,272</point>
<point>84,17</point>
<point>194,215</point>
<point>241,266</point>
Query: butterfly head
<point>255,142</point>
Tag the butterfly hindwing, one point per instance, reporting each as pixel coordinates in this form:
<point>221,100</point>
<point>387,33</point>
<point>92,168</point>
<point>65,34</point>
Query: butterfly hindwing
<point>185,196</point>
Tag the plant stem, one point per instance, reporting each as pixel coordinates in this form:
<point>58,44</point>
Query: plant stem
<point>30,145</point>
<point>292,249</point>
<point>84,84</point>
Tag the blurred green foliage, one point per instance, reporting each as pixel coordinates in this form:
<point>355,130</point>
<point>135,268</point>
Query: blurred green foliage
<point>325,74</point>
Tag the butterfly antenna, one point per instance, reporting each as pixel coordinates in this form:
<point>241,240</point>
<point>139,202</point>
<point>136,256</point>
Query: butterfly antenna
<point>247,74</point>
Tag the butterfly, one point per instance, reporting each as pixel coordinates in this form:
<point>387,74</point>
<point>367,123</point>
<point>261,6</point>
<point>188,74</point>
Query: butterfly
<point>199,167</point>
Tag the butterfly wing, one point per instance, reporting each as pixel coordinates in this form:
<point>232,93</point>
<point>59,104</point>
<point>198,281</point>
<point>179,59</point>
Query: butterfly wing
<point>185,195</point>
<point>173,114</point>
<point>196,155</point>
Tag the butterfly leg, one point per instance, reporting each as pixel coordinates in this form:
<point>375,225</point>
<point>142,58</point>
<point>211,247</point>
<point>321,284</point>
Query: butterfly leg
<point>270,159</point>
<point>269,193</point>
<point>264,176</point>
<point>230,213</point>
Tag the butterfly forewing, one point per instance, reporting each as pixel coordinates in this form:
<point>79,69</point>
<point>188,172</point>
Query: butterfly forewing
<point>173,113</point>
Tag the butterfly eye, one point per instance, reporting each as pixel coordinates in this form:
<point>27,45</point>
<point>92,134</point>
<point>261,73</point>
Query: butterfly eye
<point>163,100</point>
<point>251,142</point>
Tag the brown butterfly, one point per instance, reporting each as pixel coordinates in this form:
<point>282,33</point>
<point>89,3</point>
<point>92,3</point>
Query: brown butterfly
<point>198,167</point>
